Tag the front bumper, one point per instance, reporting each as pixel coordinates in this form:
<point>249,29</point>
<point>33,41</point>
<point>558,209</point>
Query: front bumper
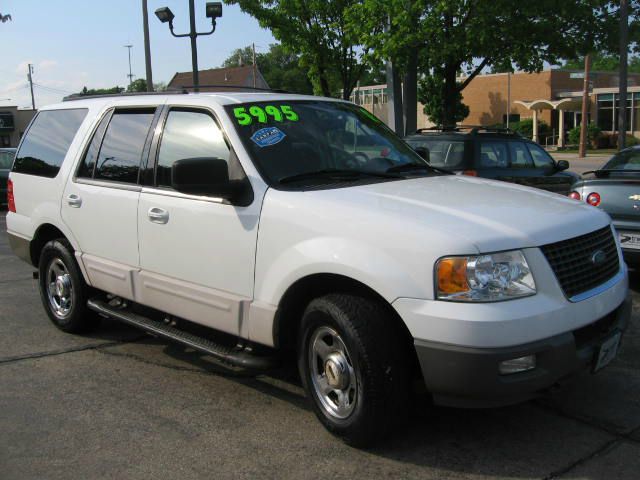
<point>469,377</point>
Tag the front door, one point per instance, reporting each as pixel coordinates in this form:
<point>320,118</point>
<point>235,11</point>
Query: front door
<point>197,254</point>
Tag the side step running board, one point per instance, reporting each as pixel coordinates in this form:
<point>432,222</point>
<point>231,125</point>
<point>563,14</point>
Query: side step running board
<point>234,356</point>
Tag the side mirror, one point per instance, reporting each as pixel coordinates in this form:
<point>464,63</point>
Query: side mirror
<point>423,152</point>
<point>204,176</point>
<point>562,165</point>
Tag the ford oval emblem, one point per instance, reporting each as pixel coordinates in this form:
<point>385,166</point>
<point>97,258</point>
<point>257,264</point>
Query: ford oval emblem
<point>598,257</point>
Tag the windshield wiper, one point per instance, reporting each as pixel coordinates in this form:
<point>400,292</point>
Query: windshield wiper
<point>351,174</point>
<point>405,167</point>
<point>607,171</point>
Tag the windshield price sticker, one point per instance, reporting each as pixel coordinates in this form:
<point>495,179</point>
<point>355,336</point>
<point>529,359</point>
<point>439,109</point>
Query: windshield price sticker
<point>247,115</point>
<point>265,137</point>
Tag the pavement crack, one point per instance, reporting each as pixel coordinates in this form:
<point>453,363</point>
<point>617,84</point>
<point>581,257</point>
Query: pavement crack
<point>53,353</point>
<point>606,447</point>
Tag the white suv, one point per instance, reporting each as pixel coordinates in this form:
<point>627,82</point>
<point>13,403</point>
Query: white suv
<point>243,224</point>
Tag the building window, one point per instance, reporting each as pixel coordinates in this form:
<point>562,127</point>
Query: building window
<point>605,112</point>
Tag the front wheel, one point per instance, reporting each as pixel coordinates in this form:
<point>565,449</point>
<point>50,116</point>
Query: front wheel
<point>354,367</point>
<point>63,290</point>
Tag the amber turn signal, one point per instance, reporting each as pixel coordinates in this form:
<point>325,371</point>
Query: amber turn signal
<point>452,275</point>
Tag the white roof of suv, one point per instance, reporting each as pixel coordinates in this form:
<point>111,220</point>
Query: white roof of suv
<point>220,98</point>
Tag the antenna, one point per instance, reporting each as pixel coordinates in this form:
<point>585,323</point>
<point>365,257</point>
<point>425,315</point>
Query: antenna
<point>131,75</point>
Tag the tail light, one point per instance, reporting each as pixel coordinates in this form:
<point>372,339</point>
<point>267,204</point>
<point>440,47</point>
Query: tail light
<point>11,203</point>
<point>470,173</point>
<point>574,195</point>
<point>593,199</point>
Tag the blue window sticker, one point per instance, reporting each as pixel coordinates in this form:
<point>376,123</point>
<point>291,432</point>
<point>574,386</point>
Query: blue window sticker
<point>265,137</point>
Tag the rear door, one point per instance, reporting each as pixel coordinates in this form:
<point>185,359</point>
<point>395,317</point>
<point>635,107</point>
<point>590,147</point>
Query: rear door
<point>197,253</point>
<point>100,203</point>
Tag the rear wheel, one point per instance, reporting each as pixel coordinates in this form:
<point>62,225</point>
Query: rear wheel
<point>354,367</point>
<point>63,290</point>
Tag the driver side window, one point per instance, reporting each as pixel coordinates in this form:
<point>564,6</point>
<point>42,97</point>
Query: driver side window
<point>188,134</point>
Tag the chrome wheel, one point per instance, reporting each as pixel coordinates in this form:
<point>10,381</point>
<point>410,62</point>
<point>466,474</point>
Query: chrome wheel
<point>59,288</point>
<point>332,373</point>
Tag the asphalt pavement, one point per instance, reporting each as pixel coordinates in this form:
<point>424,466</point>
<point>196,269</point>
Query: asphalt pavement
<point>120,404</point>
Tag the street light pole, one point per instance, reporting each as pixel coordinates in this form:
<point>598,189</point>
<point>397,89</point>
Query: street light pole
<point>147,46</point>
<point>194,46</point>
<point>213,11</point>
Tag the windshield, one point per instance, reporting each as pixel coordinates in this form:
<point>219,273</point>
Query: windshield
<point>292,140</point>
<point>627,160</point>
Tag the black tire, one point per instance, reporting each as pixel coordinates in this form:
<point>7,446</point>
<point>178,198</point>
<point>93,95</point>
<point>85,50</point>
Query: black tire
<point>376,352</point>
<point>73,316</point>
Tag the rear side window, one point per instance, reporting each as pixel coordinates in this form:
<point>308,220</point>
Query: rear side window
<point>47,142</point>
<point>89,161</point>
<point>121,150</point>
<point>5,160</point>
<point>493,155</point>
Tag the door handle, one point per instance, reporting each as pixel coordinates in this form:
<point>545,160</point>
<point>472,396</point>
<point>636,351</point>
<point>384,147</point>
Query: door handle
<point>158,215</point>
<point>74,200</point>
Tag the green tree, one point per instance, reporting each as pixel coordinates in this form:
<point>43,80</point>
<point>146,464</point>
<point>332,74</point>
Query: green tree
<point>139,85</point>
<point>239,57</point>
<point>450,37</point>
<point>318,31</point>
<point>602,62</point>
<point>100,91</point>
<point>280,68</point>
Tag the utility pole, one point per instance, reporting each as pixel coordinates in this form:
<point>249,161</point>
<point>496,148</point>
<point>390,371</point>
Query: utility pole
<point>147,46</point>
<point>253,46</point>
<point>508,97</point>
<point>622,93</point>
<point>585,108</point>
<point>29,76</point>
<point>129,47</point>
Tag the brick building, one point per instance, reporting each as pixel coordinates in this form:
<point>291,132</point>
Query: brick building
<point>552,96</point>
<point>221,78</point>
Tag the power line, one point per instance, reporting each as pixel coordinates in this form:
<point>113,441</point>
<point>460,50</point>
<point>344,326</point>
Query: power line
<point>53,89</point>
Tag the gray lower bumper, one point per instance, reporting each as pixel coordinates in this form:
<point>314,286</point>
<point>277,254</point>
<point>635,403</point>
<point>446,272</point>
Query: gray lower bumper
<point>21,247</point>
<point>469,377</point>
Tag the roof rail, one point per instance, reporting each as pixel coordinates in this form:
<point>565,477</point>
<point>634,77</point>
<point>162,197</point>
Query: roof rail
<point>79,96</point>
<point>186,88</point>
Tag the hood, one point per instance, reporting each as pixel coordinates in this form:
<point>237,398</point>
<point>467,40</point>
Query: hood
<point>491,215</point>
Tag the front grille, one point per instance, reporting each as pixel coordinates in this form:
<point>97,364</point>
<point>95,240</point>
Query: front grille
<point>571,261</point>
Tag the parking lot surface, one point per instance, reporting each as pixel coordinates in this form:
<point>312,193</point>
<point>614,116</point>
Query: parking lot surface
<point>120,404</point>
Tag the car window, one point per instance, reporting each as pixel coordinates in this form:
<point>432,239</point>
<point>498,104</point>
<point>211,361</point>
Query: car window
<point>188,134</point>
<point>47,142</point>
<point>6,158</point>
<point>625,160</point>
<point>442,153</point>
<point>493,154</point>
<point>520,157</point>
<point>89,161</point>
<point>541,159</point>
<point>121,151</point>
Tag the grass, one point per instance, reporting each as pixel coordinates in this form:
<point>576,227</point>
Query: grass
<point>599,151</point>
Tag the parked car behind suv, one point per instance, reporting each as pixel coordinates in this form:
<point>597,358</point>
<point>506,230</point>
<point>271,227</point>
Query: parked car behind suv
<point>499,154</point>
<point>6,159</point>
<point>246,224</point>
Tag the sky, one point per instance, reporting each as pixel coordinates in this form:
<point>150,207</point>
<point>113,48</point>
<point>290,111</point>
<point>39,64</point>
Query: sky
<point>77,43</point>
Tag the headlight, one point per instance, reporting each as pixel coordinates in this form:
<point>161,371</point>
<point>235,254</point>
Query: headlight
<point>484,278</point>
